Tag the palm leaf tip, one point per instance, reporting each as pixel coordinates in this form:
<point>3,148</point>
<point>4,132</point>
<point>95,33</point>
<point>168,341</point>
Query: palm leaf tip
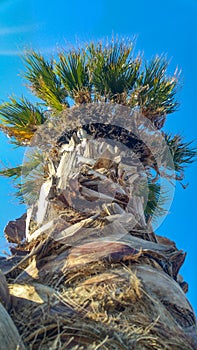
<point>181,151</point>
<point>14,172</point>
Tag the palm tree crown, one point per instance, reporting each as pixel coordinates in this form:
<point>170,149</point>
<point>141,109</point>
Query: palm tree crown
<point>94,74</point>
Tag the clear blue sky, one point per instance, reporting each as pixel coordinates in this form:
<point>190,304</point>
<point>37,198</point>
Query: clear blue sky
<point>168,26</point>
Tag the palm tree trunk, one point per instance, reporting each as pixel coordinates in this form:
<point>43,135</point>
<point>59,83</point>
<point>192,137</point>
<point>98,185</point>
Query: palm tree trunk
<point>88,272</point>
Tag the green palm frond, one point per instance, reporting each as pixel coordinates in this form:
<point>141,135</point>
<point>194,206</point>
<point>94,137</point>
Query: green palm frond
<point>32,176</point>
<point>156,91</point>
<point>113,71</point>
<point>152,195</point>
<point>35,159</point>
<point>44,83</point>
<point>28,190</point>
<point>73,72</point>
<point>182,153</point>
<point>155,202</point>
<point>27,177</point>
<point>14,172</point>
<point>19,119</point>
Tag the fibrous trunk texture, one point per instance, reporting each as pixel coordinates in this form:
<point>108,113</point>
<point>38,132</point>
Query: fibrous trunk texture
<point>87,271</point>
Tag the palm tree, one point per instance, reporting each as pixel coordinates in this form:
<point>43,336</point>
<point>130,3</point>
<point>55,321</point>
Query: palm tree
<point>87,270</point>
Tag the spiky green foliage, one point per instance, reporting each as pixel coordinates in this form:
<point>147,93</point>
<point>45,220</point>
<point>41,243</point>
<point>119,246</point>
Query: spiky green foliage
<point>113,70</point>
<point>98,72</point>
<point>155,201</point>
<point>153,196</point>
<point>103,72</point>
<point>28,190</point>
<point>14,172</point>
<point>28,177</point>
<point>182,153</point>
<point>44,83</point>
<point>33,160</point>
<point>73,72</point>
<point>20,119</point>
<point>156,91</point>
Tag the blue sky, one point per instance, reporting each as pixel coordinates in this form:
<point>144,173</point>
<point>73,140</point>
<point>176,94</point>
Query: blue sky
<point>159,27</point>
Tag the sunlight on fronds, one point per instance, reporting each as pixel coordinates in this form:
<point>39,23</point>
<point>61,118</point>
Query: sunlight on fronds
<point>73,72</point>
<point>113,70</point>
<point>44,83</point>
<point>20,119</point>
<point>156,91</point>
